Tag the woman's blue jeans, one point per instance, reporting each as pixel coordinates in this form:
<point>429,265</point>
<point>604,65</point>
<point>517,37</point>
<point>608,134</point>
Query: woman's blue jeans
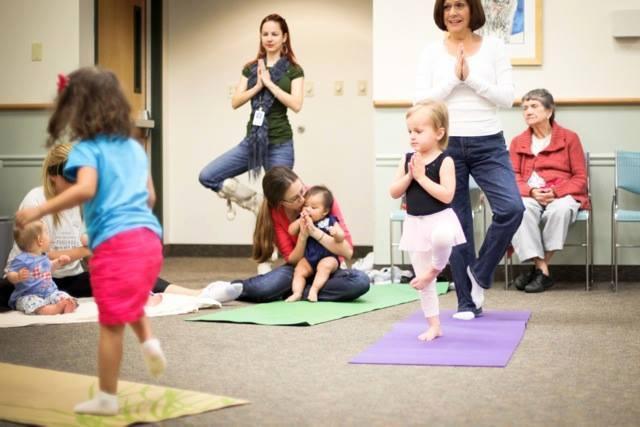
<point>235,162</point>
<point>343,285</point>
<point>486,159</point>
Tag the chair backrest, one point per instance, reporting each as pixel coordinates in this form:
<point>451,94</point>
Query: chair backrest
<point>627,171</point>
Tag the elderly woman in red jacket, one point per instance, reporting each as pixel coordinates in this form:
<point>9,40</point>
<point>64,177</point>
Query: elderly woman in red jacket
<point>549,164</point>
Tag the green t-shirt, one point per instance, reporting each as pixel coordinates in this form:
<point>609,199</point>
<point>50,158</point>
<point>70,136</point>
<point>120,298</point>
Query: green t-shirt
<point>279,127</point>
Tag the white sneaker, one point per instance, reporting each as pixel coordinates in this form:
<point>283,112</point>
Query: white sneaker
<point>265,267</point>
<point>222,291</point>
<point>234,190</point>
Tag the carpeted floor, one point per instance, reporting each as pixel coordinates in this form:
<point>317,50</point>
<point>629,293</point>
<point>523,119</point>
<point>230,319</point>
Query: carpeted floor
<point>578,364</point>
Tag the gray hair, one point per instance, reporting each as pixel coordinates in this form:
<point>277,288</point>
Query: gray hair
<point>545,98</point>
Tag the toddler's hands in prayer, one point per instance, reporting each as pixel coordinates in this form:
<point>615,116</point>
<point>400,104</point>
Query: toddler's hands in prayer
<point>417,167</point>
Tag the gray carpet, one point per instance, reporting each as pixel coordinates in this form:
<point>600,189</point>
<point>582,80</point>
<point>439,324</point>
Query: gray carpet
<point>578,364</point>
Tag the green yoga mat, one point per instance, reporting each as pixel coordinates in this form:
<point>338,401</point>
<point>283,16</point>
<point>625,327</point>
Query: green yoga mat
<point>304,313</point>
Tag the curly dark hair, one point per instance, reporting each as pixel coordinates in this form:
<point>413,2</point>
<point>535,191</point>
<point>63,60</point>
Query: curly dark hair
<point>91,103</point>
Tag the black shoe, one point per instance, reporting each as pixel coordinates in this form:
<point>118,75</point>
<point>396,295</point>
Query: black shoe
<point>540,283</point>
<point>524,279</point>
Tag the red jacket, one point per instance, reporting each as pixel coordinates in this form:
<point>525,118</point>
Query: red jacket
<point>561,164</point>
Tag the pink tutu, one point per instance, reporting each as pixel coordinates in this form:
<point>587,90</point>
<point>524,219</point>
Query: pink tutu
<point>417,230</point>
<point>123,270</point>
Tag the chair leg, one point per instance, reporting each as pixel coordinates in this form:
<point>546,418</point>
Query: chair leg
<point>614,257</point>
<point>588,255</point>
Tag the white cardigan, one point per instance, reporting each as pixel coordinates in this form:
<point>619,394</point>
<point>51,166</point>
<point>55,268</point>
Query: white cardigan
<point>473,102</point>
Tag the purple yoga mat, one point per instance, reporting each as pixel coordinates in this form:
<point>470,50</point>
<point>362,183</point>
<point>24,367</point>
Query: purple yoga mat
<point>488,340</point>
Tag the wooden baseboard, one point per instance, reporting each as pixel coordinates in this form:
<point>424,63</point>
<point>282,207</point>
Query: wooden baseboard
<point>231,251</point>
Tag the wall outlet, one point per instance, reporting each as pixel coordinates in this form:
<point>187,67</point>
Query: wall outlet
<point>309,89</point>
<point>362,88</point>
<point>36,52</point>
<point>338,88</point>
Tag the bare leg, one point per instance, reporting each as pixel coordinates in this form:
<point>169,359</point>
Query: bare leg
<point>543,264</point>
<point>109,357</point>
<point>300,274</point>
<point>175,289</point>
<point>151,349</point>
<point>105,402</point>
<point>422,262</point>
<point>142,329</point>
<point>326,266</point>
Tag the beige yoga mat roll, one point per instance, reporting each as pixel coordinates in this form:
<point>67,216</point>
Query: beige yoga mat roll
<point>45,397</point>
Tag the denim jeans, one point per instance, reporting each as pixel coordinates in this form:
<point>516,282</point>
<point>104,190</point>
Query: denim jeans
<point>343,285</point>
<point>486,159</point>
<point>235,162</point>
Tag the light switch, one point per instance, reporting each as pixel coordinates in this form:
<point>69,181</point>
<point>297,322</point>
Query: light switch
<point>362,88</point>
<point>309,89</point>
<point>231,89</point>
<point>338,88</point>
<point>36,52</point>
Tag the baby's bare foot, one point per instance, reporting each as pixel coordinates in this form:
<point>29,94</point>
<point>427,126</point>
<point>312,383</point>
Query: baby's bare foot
<point>313,296</point>
<point>430,334</point>
<point>70,306</point>
<point>294,298</point>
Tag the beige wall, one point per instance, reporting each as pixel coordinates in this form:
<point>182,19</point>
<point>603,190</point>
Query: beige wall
<point>581,59</point>
<point>65,28</point>
<point>55,24</point>
<point>206,45</point>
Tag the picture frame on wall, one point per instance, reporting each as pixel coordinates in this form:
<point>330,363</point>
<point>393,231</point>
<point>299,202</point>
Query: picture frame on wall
<point>519,24</point>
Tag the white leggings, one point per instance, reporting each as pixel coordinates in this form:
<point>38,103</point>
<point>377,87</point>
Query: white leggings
<point>438,257</point>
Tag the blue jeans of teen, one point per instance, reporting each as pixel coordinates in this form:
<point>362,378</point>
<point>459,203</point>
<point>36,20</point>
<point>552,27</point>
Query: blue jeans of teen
<point>343,285</point>
<point>235,162</point>
<point>486,159</point>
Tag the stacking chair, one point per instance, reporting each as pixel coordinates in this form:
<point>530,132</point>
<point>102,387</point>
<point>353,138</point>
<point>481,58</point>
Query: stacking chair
<point>627,177</point>
<point>584,216</point>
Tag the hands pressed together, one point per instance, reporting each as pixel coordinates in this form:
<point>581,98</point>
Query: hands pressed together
<point>462,68</point>
<point>264,78</point>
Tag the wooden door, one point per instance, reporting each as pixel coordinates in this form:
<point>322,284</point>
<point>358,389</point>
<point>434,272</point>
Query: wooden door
<point>122,48</point>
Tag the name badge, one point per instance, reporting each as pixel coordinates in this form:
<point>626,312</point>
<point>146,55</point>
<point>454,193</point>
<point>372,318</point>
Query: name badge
<point>258,117</point>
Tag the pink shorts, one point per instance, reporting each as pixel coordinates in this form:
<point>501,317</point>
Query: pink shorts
<point>123,270</point>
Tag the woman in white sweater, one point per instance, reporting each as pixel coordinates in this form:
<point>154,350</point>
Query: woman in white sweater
<point>472,75</point>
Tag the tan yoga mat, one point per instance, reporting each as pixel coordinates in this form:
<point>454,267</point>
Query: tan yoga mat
<point>45,397</point>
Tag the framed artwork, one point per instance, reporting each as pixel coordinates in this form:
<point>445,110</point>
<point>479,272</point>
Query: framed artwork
<point>519,24</point>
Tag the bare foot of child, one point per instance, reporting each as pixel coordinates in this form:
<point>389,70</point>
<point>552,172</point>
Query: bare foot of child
<point>154,299</point>
<point>420,282</point>
<point>294,298</point>
<point>69,306</point>
<point>430,334</point>
<point>57,308</point>
<point>313,296</point>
